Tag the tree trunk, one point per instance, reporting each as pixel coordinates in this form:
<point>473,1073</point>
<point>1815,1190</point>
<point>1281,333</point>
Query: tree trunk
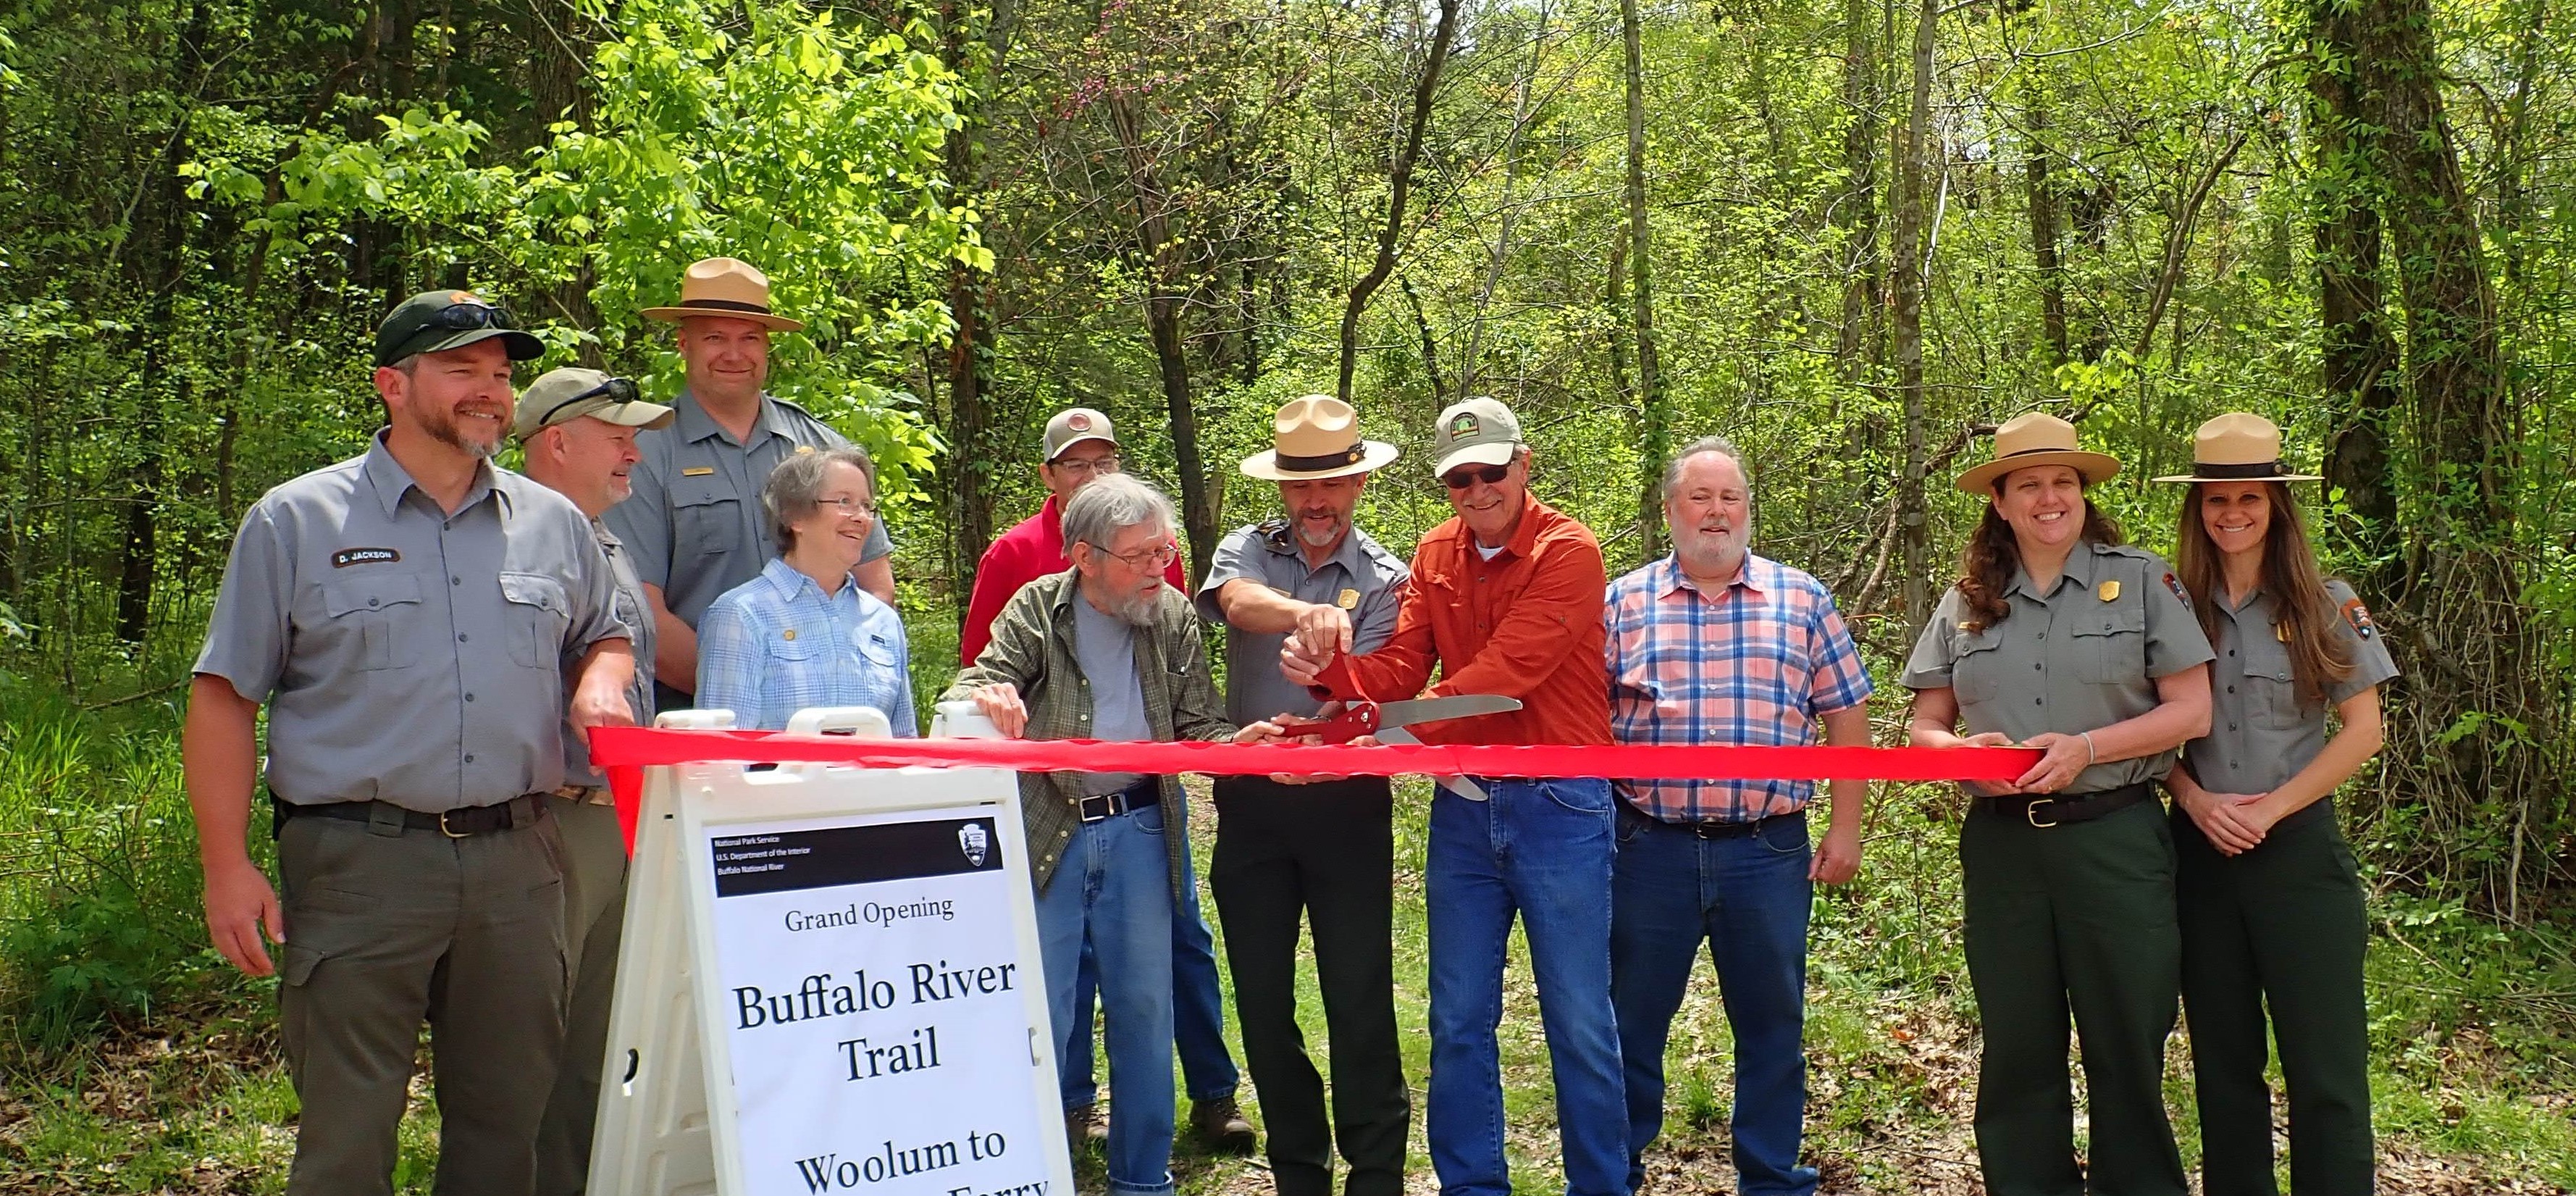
<point>1654,421</point>
<point>1166,301</point>
<point>2043,228</point>
<point>1909,278</point>
<point>2359,350</point>
<point>1856,346</point>
<point>1399,190</point>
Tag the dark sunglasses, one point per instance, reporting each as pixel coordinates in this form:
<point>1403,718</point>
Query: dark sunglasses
<point>1491,475</point>
<point>618,390</point>
<point>462,317</point>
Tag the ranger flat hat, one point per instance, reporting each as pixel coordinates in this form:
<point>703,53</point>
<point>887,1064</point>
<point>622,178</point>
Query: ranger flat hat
<point>1476,431</point>
<point>2037,438</point>
<point>2238,447</point>
<point>563,395</point>
<point>1072,426</point>
<point>436,321</point>
<point>728,287</point>
<point>1317,437</point>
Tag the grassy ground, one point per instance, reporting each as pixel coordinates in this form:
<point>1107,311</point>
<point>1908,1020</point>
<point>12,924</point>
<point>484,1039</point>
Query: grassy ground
<point>130,1061</point>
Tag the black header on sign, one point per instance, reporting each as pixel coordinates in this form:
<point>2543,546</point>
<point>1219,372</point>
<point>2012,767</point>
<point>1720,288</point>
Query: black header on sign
<point>853,855</point>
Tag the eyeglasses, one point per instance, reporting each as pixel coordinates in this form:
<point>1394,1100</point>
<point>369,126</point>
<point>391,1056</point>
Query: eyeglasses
<point>1108,464</point>
<point>849,506</point>
<point>1150,559</point>
<point>618,390</point>
<point>459,317</point>
<point>1491,475</point>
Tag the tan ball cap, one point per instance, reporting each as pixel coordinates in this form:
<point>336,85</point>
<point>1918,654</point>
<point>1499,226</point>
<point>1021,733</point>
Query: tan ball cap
<point>1072,426</point>
<point>2037,438</point>
<point>728,287</point>
<point>563,395</point>
<point>1317,437</point>
<point>1476,431</point>
<point>2238,447</point>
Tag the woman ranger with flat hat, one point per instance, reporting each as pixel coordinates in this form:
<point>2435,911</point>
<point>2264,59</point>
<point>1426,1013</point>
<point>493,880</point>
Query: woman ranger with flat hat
<point>2270,898</point>
<point>2059,637</point>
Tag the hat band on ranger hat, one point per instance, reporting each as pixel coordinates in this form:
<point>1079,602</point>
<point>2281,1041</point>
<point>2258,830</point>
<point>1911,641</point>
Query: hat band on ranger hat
<point>727,305</point>
<point>2232,473</point>
<point>1347,456</point>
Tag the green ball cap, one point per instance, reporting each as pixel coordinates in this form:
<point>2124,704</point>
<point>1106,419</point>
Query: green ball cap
<point>436,321</point>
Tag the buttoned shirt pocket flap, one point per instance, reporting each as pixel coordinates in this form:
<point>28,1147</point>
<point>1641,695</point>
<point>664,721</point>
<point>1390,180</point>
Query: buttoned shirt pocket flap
<point>703,515</point>
<point>540,613</point>
<point>790,644</point>
<point>382,608</point>
<point>2112,641</point>
<point>877,650</point>
<point>2271,683</point>
<point>1976,669</point>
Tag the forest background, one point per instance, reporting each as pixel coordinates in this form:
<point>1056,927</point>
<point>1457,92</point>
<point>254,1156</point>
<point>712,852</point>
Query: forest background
<point>1852,235</point>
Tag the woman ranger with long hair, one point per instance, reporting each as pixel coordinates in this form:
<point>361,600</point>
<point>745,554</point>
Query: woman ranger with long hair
<point>2058,637</point>
<point>2269,896</point>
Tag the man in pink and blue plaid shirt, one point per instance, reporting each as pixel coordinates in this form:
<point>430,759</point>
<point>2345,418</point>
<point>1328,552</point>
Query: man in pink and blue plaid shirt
<point>1714,645</point>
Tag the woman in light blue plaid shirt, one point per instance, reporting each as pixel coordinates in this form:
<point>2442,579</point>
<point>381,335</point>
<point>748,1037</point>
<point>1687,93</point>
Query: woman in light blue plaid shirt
<point>803,633</point>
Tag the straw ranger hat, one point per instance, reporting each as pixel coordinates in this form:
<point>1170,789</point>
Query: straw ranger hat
<point>2238,447</point>
<point>2036,438</point>
<point>728,287</point>
<point>1317,437</point>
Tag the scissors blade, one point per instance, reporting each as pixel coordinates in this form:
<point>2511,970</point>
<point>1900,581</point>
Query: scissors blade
<point>1432,710</point>
<point>1458,785</point>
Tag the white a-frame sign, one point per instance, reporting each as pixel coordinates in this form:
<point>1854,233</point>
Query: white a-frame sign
<point>830,984</point>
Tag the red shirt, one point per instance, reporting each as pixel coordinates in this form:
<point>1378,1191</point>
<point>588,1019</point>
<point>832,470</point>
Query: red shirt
<point>1033,548</point>
<point>1526,624</point>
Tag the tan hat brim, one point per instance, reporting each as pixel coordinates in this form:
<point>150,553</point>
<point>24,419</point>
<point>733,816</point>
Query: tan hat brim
<point>648,416</point>
<point>1498,453</point>
<point>1374,456</point>
<point>1085,438</point>
<point>2095,468</point>
<point>673,315</point>
<point>2282,477</point>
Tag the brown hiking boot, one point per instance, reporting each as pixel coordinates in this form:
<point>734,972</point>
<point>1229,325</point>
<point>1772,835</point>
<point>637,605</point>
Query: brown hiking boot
<point>1085,1128</point>
<point>1220,1123</point>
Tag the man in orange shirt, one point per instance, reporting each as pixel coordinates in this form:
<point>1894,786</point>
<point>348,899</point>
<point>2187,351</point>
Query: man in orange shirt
<point>1507,599</point>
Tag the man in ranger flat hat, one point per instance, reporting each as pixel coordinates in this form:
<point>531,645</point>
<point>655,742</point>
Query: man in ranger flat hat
<point>694,526</point>
<point>1322,853</point>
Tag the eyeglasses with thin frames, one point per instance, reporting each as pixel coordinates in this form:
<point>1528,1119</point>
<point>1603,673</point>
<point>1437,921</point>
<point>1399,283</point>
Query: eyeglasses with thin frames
<point>849,506</point>
<point>1153,559</point>
<point>1092,465</point>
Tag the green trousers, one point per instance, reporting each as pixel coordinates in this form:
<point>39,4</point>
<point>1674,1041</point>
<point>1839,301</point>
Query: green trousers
<point>2073,919</point>
<point>388,927</point>
<point>594,920</point>
<point>2278,929</point>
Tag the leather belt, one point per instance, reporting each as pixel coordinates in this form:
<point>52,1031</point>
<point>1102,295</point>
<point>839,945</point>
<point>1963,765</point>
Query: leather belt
<point>1721,830</point>
<point>455,824</point>
<point>2059,809</point>
<point>1101,806</point>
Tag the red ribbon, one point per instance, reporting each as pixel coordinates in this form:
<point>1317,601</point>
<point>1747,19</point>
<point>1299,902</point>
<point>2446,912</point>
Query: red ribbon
<point>624,752</point>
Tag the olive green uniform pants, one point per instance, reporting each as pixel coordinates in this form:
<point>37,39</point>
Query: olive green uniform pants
<point>2281,928</point>
<point>2075,918</point>
<point>594,920</point>
<point>388,927</point>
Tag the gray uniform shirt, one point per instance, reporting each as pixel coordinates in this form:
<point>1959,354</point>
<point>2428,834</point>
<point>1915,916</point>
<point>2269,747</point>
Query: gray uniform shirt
<point>407,655</point>
<point>2261,729</point>
<point>637,615</point>
<point>1360,577</point>
<point>1106,650</point>
<point>693,525</point>
<point>2078,658</point>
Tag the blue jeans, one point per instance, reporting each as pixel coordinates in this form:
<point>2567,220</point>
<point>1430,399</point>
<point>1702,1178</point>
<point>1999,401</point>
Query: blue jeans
<point>1113,893</point>
<point>1198,1012</point>
<point>1541,849</point>
<point>1748,897</point>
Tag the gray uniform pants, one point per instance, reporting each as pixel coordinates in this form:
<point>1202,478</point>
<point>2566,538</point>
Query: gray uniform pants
<point>387,927</point>
<point>594,919</point>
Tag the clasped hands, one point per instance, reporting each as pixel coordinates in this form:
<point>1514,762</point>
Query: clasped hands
<point>2066,756</point>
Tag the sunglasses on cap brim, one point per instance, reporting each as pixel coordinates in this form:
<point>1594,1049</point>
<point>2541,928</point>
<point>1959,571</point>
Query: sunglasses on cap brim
<point>618,390</point>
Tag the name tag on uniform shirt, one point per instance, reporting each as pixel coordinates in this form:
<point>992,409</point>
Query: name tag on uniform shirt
<point>697,471</point>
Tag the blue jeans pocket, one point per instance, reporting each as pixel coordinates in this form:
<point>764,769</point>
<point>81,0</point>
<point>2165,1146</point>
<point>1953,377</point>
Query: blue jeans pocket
<point>1783,837</point>
<point>1149,819</point>
<point>1579,797</point>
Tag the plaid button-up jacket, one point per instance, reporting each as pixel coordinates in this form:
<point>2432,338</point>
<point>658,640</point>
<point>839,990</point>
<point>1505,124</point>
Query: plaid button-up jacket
<point>1032,648</point>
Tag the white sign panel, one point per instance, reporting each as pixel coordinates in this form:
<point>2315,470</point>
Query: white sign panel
<point>875,1005</point>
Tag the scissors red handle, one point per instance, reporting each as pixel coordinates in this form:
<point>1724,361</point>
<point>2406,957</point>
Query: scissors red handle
<point>1355,720</point>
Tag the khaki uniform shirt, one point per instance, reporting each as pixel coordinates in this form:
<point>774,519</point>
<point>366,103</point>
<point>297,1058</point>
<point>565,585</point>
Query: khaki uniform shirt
<point>693,525</point>
<point>1033,649</point>
<point>2262,730</point>
<point>637,614</point>
<point>2080,657</point>
<point>407,655</point>
<point>1361,577</point>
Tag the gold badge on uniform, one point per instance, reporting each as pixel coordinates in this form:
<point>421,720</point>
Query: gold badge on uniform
<point>1349,600</point>
<point>804,448</point>
<point>2281,632</point>
<point>2108,591</point>
<point>790,633</point>
<point>696,471</point>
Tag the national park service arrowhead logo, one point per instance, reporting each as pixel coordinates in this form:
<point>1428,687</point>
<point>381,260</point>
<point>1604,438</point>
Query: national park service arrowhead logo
<point>974,843</point>
<point>2359,616</point>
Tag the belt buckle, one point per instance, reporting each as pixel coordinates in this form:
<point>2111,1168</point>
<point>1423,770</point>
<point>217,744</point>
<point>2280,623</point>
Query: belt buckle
<point>445,830</point>
<point>2030,813</point>
<point>1082,808</point>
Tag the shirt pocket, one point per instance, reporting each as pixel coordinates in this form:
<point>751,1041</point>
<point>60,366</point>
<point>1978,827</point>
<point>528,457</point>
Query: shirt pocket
<point>539,616</point>
<point>791,646</point>
<point>380,616</point>
<point>2272,686</point>
<point>705,518</point>
<point>1976,669</point>
<point>2110,643</point>
<point>874,649</point>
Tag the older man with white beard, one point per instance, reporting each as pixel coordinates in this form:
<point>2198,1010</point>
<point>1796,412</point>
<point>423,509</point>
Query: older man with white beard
<point>1715,645</point>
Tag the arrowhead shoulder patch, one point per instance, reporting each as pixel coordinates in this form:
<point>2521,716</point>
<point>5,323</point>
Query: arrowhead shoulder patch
<point>2175,584</point>
<point>2359,616</point>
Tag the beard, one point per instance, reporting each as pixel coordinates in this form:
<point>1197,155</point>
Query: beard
<point>1326,537</point>
<point>1709,554</point>
<point>442,427</point>
<point>1135,610</point>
